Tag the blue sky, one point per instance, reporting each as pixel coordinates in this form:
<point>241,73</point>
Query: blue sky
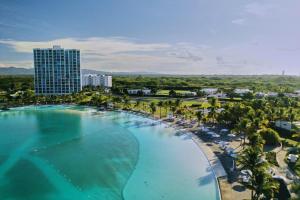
<point>167,36</point>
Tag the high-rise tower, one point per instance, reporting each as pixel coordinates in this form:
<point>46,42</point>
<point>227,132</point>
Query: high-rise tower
<point>57,71</point>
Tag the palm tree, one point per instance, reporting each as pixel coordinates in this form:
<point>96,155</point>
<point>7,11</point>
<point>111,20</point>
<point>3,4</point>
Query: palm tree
<point>199,115</point>
<point>153,108</point>
<point>169,104</point>
<point>160,104</point>
<point>242,128</point>
<point>173,109</point>
<point>262,185</point>
<point>213,114</point>
<point>251,159</point>
<point>137,103</point>
<point>126,102</point>
<point>281,114</point>
<point>144,106</point>
<point>292,116</point>
<point>256,140</point>
<point>214,105</point>
<point>166,106</point>
<point>178,102</point>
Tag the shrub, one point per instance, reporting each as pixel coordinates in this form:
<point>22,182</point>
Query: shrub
<point>271,158</point>
<point>270,136</point>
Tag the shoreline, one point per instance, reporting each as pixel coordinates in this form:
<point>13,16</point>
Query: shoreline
<point>213,161</point>
<point>217,168</point>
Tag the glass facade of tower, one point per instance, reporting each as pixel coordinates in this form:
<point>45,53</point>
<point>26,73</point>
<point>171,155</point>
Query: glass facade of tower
<point>57,71</point>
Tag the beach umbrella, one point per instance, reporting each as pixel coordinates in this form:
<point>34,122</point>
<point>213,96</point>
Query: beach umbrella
<point>293,158</point>
<point>215,135</point>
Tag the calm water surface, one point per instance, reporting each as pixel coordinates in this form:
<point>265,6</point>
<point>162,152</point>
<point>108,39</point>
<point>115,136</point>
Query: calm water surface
<point>70,152</point>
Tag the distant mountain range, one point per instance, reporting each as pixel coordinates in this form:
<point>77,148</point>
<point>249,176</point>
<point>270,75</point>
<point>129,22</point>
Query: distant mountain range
<point>30,71</point>
<point>16,71</point>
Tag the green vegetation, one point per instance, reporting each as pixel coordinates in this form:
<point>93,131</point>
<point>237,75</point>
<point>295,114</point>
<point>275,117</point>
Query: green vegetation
<point>256,83</point>
<point>270,136</point>
<point>15,83</point>
<point>271,158</point>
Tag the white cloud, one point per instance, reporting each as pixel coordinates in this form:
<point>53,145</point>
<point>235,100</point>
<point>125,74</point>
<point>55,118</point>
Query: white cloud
<point>259,9</point>
<point>123,54</point>
<point>88,45</point>
<point>20,63</point>
<point>118,53</point>
<point>240,21</point>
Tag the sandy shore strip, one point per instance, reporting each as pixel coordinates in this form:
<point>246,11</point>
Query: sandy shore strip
<point>214,161</point>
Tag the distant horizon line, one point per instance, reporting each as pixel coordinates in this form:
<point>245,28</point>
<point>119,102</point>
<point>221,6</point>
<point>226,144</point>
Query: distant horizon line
<point>159,73</point>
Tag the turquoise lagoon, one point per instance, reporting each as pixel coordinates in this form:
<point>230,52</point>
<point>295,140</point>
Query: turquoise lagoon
<point>72,152</point>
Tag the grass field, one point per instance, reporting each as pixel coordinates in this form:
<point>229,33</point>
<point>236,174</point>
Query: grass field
<point>166,92</point>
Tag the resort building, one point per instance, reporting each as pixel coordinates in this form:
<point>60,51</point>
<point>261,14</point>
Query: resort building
<point>263,94</point>
<point>106,81</point>
<point>189,93</point>
<point>95,80</point>
<point>217,95</point>
<point>56,71</point>
<point>209,91</point>
<point>137,91</point>
<point>272,94</point>
<point>242,92</point>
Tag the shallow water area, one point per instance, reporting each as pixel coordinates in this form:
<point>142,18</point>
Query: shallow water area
<point>73,152</point>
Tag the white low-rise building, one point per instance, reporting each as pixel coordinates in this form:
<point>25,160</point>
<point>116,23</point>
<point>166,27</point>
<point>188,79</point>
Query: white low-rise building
<point>189,93</point>
<point>242,91</point>
<point>218,95</point>
<point>260,94</point>
<point>291,95</point>
<point>136,91</point>
<point>96,80</point>
<point>209,91</point>
<point>106,81</point>
<point>269,94</point>
<point>272,94</point>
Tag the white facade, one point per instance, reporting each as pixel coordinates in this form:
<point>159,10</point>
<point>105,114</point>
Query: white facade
<point>106,81</point>
<point>272,94</point>
<point>56,71</point>
<point>96,80</point>
<point>217,95</point>
<point>242,91</point>
<point>189,93</point>
<point>136,91</point>
<point>209,90</point>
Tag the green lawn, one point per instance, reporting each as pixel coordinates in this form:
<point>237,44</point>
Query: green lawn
<point>166,92</point>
